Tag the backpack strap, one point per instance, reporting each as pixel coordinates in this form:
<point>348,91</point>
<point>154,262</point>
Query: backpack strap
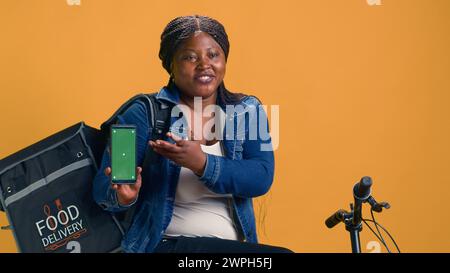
<point>145,98</point>
<point>158,115</point>
<point>160,123</point>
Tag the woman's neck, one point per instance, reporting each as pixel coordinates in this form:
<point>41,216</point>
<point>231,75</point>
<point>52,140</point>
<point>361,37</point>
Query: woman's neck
<point>190,102</point>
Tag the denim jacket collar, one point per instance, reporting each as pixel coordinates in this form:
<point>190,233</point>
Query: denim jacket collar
<point>172,95</point>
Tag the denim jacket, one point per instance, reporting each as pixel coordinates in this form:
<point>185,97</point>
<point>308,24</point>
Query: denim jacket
<point>245,171</point>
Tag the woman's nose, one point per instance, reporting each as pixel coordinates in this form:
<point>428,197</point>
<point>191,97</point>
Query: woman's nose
<point>204,63</point>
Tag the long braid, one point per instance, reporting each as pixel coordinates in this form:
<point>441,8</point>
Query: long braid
<point>180,29</point>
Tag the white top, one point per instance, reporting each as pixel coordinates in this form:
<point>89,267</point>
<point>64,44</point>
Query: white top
<point>199,212</point>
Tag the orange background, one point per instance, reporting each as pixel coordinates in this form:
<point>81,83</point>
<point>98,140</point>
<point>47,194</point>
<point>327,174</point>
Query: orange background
<point>363,90</point>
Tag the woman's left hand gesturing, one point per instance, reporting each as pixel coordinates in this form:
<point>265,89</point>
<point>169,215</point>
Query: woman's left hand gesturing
<point>186,153</point>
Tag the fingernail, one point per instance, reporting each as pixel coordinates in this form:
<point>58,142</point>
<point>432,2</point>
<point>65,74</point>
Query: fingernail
<point>158,142</point>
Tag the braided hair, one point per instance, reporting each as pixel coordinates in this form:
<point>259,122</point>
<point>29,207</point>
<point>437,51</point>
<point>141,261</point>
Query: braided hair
<point>179,30</point>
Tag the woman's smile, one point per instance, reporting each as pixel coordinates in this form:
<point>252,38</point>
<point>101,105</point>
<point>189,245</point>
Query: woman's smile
<point>204,78</point>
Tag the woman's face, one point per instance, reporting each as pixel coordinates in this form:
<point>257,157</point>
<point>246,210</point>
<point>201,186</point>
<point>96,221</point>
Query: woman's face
<point>198,66</point>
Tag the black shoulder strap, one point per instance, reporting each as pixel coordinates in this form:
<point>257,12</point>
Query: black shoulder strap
<point>159,119</point>
<point>158,115</point>
<point>159,111</point>
<point>145,98</point>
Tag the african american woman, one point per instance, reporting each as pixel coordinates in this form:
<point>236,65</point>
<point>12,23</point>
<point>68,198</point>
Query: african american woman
<point>198,198</point>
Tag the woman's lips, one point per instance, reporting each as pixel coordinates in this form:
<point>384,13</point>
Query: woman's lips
<point>205,79</point>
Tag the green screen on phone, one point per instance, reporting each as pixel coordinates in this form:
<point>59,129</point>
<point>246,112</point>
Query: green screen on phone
<point>123,154</point>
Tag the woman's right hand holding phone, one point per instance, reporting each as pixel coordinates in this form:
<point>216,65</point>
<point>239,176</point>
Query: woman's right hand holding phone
<point>126,193</point>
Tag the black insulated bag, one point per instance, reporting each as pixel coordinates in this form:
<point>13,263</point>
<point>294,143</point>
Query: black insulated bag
<point>46,192</point>
<point>46,188</point>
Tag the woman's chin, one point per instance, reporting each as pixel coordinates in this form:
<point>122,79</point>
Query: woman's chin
<point>204,91</point>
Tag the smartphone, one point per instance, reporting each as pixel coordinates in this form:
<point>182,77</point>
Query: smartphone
<point>123,154</point>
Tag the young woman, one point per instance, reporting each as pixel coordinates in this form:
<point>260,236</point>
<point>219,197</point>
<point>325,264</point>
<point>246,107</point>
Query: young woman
<point>198,198</point>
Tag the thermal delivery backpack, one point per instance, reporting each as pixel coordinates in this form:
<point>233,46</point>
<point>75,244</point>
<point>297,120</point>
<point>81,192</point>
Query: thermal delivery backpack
<point>46,189</point>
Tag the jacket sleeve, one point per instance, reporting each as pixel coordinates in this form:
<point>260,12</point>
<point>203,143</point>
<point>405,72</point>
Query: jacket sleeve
<point>103,193</point>
<point>252,175</point>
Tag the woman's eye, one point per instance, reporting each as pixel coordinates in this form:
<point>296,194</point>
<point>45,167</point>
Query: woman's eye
<point>190,58</point>
<point>213,55</point>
